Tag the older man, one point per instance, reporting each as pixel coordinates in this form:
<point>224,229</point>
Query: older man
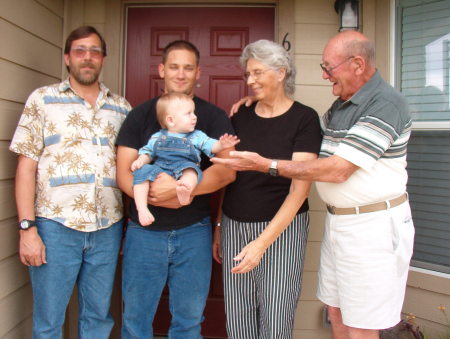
<point>69,206</point>
<point>361,175</point>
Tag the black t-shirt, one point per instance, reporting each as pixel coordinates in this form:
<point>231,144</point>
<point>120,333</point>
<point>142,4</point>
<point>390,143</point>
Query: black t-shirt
<point>256,196</point>
<point>137,128</point>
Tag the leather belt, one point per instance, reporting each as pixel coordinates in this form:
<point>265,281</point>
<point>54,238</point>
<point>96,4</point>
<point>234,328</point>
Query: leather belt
<point>379,206</point>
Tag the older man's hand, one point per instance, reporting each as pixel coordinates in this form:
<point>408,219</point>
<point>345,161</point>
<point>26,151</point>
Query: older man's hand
<point>245,161</point>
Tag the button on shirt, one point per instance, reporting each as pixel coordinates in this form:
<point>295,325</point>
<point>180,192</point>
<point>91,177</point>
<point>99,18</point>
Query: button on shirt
<point>74,145</point>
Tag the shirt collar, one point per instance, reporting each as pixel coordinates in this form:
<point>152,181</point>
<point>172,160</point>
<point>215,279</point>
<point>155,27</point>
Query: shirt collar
<point>367,90</point>
<point>65,85</point>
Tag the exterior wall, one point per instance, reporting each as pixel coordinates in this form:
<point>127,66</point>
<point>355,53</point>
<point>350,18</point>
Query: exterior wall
<point>315,22</point>
<point>30,57</point>
<point>309,24</point>
<point>32,33</point>
<point>426,291</point>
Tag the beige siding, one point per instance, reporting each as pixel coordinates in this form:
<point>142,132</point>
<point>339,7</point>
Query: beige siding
<point>315,23</point>
<point>39,24</point>
<point>10,114</point>
<point>30,57</point>
<point>426,291</point>
<point>21,330</point>
<point>31,16</point>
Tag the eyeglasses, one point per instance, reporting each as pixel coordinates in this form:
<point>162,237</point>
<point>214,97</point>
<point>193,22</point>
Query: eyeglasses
<point>256,74</point>
<point>80,51</point>
<point>329,70</point>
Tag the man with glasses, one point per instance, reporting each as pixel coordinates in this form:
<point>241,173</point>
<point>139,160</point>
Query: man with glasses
<point>68,203</point>
<point>361,176</point>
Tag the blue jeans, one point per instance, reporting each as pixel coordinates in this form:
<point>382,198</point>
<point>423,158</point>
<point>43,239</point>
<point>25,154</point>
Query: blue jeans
<point>183,259</point>
<point>86,258</point>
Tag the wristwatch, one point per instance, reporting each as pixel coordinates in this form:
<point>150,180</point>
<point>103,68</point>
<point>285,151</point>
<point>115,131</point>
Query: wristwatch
<point>25,224</point>
<point>273,169</point>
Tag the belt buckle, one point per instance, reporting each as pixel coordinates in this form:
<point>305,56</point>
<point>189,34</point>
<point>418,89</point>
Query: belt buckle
<point>331,209</point>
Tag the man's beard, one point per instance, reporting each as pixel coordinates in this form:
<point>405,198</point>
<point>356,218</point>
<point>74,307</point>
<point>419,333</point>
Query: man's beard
<point>85,79</point>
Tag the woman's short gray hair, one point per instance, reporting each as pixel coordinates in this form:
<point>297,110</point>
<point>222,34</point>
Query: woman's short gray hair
<point>273,55</point>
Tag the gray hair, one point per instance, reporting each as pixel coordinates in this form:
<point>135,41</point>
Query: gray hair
<point>364,48</point>
<point>274,56</point>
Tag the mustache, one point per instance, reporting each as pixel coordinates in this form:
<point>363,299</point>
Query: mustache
<point>87,64</point>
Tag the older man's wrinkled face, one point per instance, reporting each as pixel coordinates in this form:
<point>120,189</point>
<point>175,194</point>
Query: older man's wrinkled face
<point>337,68</point>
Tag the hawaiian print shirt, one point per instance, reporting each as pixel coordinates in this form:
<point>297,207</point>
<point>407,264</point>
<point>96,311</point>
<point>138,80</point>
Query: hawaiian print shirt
<point>74,145</point>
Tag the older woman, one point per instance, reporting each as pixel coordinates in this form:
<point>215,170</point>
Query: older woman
<point>265,220</point>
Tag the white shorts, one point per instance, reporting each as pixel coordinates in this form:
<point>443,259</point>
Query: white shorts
<point>364,265</point>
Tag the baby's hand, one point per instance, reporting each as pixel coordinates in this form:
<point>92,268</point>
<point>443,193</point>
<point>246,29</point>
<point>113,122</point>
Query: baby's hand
<point>228,140</point>
<point>138,163</point>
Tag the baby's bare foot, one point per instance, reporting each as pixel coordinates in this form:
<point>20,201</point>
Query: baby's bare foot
<point>145,217</point>
<point>183,193</point>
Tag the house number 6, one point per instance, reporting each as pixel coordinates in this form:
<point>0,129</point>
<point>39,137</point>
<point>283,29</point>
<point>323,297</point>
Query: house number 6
<point>286,43</point>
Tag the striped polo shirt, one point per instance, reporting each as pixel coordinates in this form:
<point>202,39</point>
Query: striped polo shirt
<point>371,130</point>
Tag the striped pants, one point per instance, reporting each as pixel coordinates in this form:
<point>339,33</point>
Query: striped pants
<point>261,304</point>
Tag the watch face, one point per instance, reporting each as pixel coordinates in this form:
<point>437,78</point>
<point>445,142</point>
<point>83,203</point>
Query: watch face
<point>24,224</point>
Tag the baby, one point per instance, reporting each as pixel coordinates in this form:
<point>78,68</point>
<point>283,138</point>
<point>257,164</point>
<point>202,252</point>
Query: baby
<point>175,150</point>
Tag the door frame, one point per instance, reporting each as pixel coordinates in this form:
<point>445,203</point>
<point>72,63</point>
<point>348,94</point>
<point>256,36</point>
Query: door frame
<point>115,26</point>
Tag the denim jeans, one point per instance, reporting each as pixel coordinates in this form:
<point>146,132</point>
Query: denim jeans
<point>183,259</point>
<point>86,258</point>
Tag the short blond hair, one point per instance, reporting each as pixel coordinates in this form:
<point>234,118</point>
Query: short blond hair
<point>163,102</point>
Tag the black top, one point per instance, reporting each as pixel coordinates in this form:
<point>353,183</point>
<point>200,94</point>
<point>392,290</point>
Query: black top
<point>256,196</point>
<point>137,128</point>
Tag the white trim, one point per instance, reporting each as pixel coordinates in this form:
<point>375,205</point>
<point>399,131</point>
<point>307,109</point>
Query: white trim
<point>429,272</point>
<point>125,50</point>
<point>200,5</point>
<point>431,125</point>
<point>392,43</point>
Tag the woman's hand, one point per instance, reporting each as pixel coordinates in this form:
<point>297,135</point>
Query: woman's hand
<point>249,257</point>
<point>217,251</point>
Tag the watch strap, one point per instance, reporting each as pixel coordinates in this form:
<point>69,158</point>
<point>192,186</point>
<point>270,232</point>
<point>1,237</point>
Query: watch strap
<point>273,169</point>
<point>26,224</point>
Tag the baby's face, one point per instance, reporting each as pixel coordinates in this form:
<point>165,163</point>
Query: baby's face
<point>183,116</point>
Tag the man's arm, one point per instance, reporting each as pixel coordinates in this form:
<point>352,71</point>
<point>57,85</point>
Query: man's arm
<point>165,183</point>
<point>216,176</point>
<point>332,169</point>
<point>124,176</point>
<point>31,247</point>
<point>162,191</point>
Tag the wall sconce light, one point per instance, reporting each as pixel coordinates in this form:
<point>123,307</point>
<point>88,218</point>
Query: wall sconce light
<point>348,11</point>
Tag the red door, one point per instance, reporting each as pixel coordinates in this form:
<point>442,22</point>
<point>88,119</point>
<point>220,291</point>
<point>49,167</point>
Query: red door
<point>220,34</point>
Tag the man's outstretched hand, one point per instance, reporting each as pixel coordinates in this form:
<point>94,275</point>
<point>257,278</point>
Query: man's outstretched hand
<point>244,161</point>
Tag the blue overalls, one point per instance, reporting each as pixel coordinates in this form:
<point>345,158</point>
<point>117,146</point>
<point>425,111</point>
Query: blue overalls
<point>171,155</point>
